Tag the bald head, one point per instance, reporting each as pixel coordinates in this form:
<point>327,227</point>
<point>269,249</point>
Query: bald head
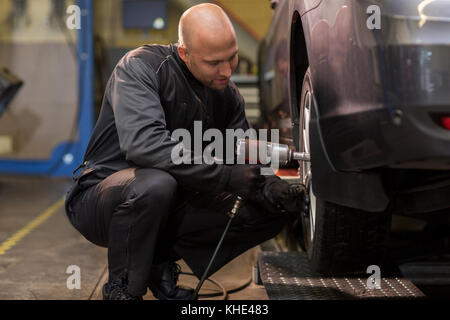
<point>204,25</point>
<point>208,45</point>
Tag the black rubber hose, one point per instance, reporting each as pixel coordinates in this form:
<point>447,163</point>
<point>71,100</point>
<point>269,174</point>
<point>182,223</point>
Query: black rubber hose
<point>194,296</point>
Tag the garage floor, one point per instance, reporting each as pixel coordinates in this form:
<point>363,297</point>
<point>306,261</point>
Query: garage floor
<point>38,248</point>
<point>38,245</point>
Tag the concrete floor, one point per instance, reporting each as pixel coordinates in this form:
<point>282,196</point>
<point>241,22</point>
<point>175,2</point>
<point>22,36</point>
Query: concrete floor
<point>38,245</point>
<point>236,274</point>
<point>35,266</point>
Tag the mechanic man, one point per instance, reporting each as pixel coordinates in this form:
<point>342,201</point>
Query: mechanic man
<point>130,197</point>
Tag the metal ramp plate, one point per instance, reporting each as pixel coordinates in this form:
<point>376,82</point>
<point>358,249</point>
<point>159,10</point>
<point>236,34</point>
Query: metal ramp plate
<point>287,276</point>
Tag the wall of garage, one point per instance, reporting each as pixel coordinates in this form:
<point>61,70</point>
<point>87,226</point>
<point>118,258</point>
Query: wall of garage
<point>38,49</point>
<point>251,19</point>
<point>254,15</point>
<point>35,48</point>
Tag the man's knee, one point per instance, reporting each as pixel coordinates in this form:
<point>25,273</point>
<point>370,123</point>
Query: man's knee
<point>155,185</point>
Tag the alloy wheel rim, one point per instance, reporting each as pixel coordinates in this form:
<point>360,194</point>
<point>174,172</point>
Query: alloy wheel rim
<point>306,168</point>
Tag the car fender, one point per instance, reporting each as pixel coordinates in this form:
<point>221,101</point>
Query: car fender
<point>360,190</point>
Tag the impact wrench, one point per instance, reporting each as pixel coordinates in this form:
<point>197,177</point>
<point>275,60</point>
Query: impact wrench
<point>252,150</point>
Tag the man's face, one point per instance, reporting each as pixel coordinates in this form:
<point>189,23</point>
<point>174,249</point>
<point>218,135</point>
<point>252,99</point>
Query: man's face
<point>212,64</point>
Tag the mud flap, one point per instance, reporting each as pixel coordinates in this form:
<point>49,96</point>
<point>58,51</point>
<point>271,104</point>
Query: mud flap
<point>362,191</point>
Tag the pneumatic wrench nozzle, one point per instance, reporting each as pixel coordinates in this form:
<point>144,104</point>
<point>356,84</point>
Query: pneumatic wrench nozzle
<point>258,151</point>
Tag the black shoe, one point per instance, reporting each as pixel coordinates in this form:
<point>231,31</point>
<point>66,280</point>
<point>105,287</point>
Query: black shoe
<point>163,283</point>
<point>116,291</point>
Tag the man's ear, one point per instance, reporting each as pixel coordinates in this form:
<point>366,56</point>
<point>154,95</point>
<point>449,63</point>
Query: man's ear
<point>183,53</point>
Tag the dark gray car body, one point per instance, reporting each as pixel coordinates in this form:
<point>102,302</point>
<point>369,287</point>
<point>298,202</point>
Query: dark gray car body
<point>379,93</point>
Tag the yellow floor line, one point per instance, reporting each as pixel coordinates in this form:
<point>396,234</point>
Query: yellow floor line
<point>19,235</point>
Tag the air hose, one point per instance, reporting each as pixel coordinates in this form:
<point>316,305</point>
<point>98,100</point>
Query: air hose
<point>233,212</point>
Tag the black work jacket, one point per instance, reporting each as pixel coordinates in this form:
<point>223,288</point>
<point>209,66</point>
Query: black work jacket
<point>151,93</point>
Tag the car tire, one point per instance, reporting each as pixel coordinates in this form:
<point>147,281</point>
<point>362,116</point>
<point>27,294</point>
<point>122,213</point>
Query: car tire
<point>337,239</point>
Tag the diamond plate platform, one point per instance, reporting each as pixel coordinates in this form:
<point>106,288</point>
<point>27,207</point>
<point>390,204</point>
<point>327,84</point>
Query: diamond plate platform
<point>287,276</point>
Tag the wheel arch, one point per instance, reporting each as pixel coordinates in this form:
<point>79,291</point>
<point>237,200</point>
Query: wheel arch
<point>362,190</point>
<point>299,64</point>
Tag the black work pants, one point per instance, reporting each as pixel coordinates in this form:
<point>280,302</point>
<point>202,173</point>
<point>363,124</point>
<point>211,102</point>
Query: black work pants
<point>143,217</point>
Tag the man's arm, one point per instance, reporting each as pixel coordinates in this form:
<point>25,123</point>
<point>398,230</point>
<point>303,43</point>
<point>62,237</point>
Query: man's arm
<point>276,195</point>
<point>141,127</point>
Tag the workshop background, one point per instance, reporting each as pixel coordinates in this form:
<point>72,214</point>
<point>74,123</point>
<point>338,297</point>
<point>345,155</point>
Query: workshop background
<point>39,130</point>
<point>59,75</point>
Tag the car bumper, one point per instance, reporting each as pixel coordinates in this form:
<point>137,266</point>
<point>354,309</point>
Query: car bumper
<point>397,125</point>
<point>367,140</point>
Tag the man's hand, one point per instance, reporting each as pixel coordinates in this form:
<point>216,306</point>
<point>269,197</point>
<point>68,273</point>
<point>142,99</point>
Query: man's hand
<point>245,179</point>
<point>283,196</point>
